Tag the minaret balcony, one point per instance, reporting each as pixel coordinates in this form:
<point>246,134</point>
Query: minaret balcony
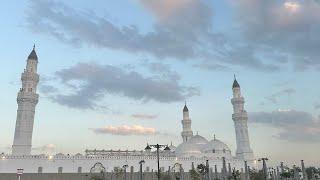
<point>237,100</point>
<point>29,76</point>
<point>240,116</point>
<point>27,96</point>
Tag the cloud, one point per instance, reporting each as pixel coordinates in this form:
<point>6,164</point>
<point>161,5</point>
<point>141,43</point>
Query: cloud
<point>144,116</point>
<point>87,84</point>
<point>294,126</point>
<point>317,105</point>
<point>183,30</point>
<point>289,27</point>
<point>275,96</point>
<point>125,130</point>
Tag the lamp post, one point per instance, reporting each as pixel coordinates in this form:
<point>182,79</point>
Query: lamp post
<point>125,171</point>
<point>141,163</point>
<point>19,173</point>
<point>264,165</point>
<point>157,146</point>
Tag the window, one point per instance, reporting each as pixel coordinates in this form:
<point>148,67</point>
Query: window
<point>224,150</point>
<point>213,151</point>
<point>40,169</point>
<point>79,169</point>
<point>60,170</point>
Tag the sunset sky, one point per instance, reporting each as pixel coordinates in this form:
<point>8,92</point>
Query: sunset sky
<point>116,74</point>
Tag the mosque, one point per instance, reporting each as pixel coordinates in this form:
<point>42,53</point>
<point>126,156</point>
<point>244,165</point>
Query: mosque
<point>193,150</point>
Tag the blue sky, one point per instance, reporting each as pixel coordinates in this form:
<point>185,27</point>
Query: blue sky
<point>116,74</point>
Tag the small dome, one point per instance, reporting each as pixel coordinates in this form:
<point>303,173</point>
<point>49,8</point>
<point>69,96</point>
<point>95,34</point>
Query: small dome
<point>172,147</point>
<point>33,54</point>
<point>147,148</point>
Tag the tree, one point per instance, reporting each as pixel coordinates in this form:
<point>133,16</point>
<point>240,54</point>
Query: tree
<point>256,174</point>
<point>118,171</point>
<point>312,170</point>
<point>194,174</point>
<point>202,170</point>
<point>235,174</point>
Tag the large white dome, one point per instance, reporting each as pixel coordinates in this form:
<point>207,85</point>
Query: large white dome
<point>197,139</point>
<point>216,146</point>
<point>193,147</point>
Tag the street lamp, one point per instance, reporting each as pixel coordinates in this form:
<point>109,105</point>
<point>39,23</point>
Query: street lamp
<point>157,146</point>
<point>125,171</point>
<point>141,163</point>
<point>264,165</point>
<point>19,173</point>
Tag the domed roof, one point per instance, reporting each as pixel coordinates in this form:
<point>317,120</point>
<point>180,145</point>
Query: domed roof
<point>188,149</point>
<point>217,145</point>
<point>172,147</point>
<point>193,146</point>
<point>197,139</point>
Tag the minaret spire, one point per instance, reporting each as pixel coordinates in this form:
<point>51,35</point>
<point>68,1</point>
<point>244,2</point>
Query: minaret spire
<point>240,119</point>
<point>186,124</point>
<point>27,100</point>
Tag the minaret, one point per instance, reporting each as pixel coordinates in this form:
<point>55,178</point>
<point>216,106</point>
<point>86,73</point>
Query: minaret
<point>240,119</point>
<point>186,125</point>
<point>27,100</point>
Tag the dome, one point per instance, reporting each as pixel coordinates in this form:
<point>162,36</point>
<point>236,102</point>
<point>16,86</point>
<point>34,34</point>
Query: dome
<point>188,149</point>
<point>197,139</point>
<point>217,146</point>
<point>172,147</point>
<point>192,147</point>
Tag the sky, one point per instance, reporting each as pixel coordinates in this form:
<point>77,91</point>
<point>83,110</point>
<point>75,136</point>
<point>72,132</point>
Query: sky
<point>116,74</point>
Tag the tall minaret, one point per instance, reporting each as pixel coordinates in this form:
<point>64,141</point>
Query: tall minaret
<point>27,100</point>
<point>186,125</point>
<point>240,119</point>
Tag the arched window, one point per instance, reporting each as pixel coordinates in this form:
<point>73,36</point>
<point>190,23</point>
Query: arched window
<point>40,169</point>
<point>60,169</point>
<point>79,169</point>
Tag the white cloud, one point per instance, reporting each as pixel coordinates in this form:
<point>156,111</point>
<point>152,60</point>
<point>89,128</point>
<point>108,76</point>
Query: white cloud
<point>125,130</point>
<point>144,116</point>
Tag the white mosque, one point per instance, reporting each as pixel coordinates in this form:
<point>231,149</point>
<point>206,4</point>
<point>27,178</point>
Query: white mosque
<point>193,150</point>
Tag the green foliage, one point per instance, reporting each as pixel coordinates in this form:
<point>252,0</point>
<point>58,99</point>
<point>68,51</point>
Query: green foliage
<point>202,169</point>
<point>256,174</point>
<point>287,174</point>
<point>311,170</point>
<point>235,174</point>
<point>194,174</point>
<point>118,171</point>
